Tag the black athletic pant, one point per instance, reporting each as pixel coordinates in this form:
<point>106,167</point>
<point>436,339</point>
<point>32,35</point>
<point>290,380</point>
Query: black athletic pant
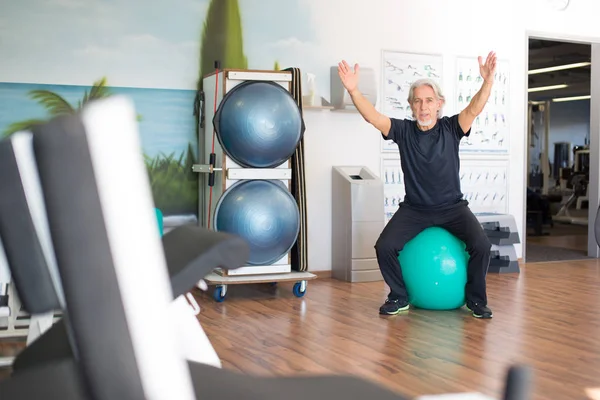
<point>459,220</point>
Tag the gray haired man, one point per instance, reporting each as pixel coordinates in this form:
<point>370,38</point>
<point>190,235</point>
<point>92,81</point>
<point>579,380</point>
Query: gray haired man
<point>429,153</point>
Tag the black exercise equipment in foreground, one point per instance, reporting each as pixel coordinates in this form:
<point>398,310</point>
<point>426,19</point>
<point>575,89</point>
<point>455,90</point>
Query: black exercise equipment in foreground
<point>191,252</point>
<point>115,281</point>
<point>23,221</point>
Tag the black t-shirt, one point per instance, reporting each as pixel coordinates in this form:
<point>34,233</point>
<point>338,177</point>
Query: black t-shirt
<point>429,161</point>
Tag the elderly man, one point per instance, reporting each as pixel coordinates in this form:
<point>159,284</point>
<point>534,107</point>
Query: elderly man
<point>429,147</point>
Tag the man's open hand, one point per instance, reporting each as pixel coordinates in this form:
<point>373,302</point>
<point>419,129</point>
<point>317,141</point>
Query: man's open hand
<point>488,70</point>
<point>349,78</point>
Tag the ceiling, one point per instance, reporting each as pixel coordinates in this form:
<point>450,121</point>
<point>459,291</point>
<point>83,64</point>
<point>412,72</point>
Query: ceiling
<point>544,53</point>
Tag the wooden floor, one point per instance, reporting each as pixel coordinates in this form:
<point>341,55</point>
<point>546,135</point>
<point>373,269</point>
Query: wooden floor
<point>539,319</point>
<point>545,317</point>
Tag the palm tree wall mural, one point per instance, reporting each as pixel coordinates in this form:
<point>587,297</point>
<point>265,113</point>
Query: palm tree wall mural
<point>56,105</point>
<point>222,38</point>
<point>174,186</point>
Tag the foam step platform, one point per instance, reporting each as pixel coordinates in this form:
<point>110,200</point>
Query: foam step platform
<point>4,300</point>
<point>501,230</point>
<point>505,251</point>
<point>513,238</point>
<point>506,222</point>
<point>504,260</point>
<point>493,230</point>
<point>502,266</point>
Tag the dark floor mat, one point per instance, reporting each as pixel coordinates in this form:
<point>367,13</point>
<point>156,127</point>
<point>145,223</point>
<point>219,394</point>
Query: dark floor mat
<point>541,253</point>
<point>561,229</point>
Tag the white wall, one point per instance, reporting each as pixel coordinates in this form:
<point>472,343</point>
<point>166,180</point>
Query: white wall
<point>459,28</point>
<point>359,31</point>
<point>578,20</point>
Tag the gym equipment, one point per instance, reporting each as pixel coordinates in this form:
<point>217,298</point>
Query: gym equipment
<point>160,221</point>
<point>5,309</point>
<point>501,230</point>
<point>581,156</point>
<point>539,212</point>
<point>258,124</point>
<point>254,140</point>
<point>4,283</point>
<point>17,322</point>
<point>578,181</point>
<point>562,157</point>
<point>114,342</point>
<point>434,267</point>
<point>264,213</point>
<point>574,181</point>
<point>21,207</point>
<point>299,253</point>
<point>356,208</point>
<point>191,252</point>
<point>24,229</point>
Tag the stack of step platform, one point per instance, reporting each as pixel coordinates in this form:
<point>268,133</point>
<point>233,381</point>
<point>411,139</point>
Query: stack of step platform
<point>501,230</point>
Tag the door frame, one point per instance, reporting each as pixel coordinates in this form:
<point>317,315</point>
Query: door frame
<point>594,185</point>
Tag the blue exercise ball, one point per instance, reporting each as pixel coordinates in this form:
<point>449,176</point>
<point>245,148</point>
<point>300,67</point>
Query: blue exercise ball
<point>434,267</point>
<point>258,124</point>
<point>264,213</point>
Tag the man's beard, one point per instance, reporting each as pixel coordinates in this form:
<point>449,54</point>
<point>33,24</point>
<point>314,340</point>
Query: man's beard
<point>427,122</point>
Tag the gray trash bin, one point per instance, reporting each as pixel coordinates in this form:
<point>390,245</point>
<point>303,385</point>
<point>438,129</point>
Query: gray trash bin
<point>357,221</point>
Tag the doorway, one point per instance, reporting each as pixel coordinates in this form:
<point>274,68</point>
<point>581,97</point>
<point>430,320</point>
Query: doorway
<point>557,212</point>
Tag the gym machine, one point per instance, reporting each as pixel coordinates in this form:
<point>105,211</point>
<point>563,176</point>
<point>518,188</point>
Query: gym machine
<point>18,188</point>
<point>26,219</point>
<point>575,180</point>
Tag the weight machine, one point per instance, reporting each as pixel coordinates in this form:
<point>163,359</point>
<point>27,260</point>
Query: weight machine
<point>14,322</point>
<point>576,181</point>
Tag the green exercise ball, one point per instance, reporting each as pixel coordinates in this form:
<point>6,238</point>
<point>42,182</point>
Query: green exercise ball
<point>434,267</point>
<point>159,220</point>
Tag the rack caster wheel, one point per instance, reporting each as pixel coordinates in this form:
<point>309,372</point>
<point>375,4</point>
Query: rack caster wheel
<point>299,288</point>
<point>219,293</point>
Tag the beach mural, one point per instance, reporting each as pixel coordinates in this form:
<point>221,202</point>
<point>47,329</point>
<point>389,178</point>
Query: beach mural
<point>188,36</point>
<point>166,126</point>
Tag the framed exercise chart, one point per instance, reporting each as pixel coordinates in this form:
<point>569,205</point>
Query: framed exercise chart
<point>490,132</point>
<point>393,184</point>
<point>399,71</point>
<point>484,184</point>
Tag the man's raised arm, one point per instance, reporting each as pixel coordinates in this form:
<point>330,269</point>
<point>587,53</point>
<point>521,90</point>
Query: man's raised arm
<point>478,102</point>
<point>364,107</point>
